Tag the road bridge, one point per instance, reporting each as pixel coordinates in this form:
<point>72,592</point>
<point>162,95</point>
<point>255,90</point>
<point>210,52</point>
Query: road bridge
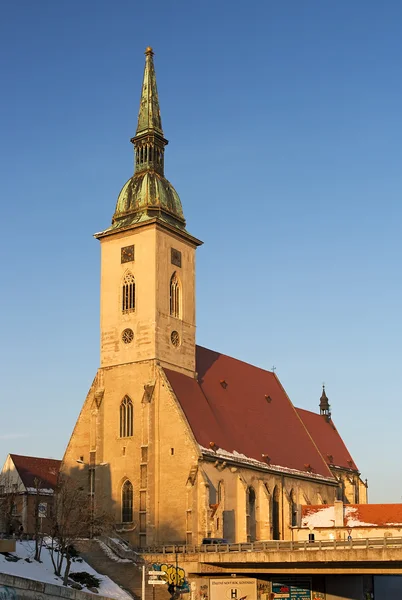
<point>359,556</point>
<point>320,570</point>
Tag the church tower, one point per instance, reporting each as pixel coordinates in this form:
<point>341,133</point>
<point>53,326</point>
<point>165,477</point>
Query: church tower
<point>131,433</point>
<point>147,302</point>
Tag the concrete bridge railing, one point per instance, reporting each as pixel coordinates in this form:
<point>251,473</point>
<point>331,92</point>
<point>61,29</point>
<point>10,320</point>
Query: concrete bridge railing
<point>275,546</point>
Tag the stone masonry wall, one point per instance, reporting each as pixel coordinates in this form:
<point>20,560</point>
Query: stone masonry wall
<point>19,588</point>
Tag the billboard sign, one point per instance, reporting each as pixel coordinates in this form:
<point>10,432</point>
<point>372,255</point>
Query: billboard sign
<point>292,591</point>
<point>231,588</point>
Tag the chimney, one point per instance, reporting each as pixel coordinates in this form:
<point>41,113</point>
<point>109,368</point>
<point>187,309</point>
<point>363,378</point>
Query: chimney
<point>338,513</point>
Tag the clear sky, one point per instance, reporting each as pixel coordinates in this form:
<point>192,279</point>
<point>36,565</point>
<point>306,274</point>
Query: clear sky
<point>284,122</point>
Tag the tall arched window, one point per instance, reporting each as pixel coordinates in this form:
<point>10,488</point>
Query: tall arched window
<point>250,515</point>
<point>126,417</point>
<point>220,492</point>
<point>293,509</point>
<point>175,296</point>
<point>128,293</point>
<point>275,514</point>
<point>127,502</point>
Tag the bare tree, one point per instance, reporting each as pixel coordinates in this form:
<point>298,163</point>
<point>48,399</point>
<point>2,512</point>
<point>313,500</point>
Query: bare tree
<point>37,520</point>
<point>73,517</point>
<point>10,493</point>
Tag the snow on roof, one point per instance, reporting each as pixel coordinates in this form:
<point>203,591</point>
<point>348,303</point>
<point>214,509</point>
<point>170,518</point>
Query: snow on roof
<point>238,457</point>
<point>355,515</point>
<point>352,518</point>
<point>322,516</point>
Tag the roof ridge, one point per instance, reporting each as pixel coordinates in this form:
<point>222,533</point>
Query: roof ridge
<point>34,457</point>
<point>236,359</point>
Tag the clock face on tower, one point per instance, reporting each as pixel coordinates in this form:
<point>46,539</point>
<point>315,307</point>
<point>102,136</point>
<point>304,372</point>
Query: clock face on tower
<point>127,254</point>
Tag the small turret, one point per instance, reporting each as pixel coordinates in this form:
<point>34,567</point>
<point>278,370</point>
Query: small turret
<point>325,408</point>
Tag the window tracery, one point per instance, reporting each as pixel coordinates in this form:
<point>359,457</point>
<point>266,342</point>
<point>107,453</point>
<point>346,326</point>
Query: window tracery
<point>126,417</point>
<point>128,293</point>
<point>127,495</point>
<point>175,293</point>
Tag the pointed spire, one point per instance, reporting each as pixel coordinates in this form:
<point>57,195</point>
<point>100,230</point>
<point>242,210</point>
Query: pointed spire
<point>148,194</point>
<point>148,141</point>
<point>149,116</point>
<point>325,408</point>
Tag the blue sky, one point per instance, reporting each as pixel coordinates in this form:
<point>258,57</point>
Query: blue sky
<point>284,122</point>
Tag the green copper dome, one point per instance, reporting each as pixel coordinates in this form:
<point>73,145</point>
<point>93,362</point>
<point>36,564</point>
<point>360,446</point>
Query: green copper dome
<point>147,195</point>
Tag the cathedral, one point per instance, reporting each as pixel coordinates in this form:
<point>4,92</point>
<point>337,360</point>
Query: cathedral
<point>178,441</point>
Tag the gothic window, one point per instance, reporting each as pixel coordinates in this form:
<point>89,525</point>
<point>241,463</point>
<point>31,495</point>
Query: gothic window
<point>175,296</point>
<point>126,417</point>
<point>127,502</point>
<point>220,492</point>
<point>250,515</point>
<point>356,486</point>
<point>128,293</point>
<point>293,509</point>
<point>340,492</point>
<point>275,514</point>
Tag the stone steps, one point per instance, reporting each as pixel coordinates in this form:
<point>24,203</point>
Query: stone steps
<point>126,575</point>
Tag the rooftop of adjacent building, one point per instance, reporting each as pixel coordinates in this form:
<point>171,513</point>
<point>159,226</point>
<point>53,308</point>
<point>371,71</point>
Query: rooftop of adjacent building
<point>35,471</point>
<point>354,515</point>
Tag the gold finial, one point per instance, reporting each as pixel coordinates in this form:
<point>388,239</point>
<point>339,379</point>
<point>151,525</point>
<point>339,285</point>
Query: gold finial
<point>148,50</point>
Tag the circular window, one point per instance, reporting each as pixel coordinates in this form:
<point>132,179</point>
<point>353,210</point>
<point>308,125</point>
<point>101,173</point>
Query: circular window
<point>175,338</point>
<point>127,336</point>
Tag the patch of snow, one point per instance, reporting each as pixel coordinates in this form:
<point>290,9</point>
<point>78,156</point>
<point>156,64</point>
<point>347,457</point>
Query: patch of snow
<point>44,491</point>
<point>323,517</point>
<point>352,520</point>
<point>44,571</point>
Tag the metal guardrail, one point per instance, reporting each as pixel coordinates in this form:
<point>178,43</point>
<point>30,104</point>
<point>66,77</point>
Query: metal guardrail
<point>275,545</point>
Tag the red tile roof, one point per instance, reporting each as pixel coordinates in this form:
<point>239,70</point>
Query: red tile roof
<point>30,468</point>
<point>377,514</point>
<point>244,409</point>
<point>355,515</point>
<point>328,440</point>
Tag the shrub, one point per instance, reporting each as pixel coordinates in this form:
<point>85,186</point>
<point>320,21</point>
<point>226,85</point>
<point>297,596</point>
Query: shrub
<point>73,552</point>
<point>86,579</point>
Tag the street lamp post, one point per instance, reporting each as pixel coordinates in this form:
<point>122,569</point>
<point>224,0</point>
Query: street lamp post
<point>91,469</point>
